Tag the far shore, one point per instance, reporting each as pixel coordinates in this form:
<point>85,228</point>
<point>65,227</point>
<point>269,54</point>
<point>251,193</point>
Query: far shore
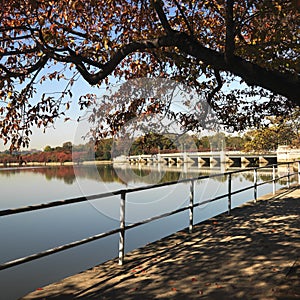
<point>68,163</point>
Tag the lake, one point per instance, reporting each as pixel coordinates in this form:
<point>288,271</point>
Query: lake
<point>32,232</point>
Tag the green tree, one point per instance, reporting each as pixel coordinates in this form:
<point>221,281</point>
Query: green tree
<point>48,149</point>
<point>235,142</point>
<point>204,143</point>
<point>203,44</point>
<point>78,148</point>
<point>103,149</point>
<point>279,132</point>
<point>152,143</point>
<point>293,121</point>
<point>67,146</point>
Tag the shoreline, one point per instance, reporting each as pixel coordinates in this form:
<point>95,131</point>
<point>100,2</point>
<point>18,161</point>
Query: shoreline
<point>49,164</point>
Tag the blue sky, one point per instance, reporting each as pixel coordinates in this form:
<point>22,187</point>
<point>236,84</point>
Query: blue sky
<point>61,131</point>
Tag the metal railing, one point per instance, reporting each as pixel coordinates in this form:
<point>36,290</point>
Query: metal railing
<point>123,192</point>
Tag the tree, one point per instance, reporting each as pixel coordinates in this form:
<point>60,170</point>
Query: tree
<point>278,132</point>
<point>67,146</point>
<point>203,44</point>
<point>153,143</point>
<point>204,144</point>
<point>235,142</point>
<point>103,149</point>
<point>48,148</point>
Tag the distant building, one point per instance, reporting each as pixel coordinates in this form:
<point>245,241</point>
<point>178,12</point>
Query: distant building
<point>286,153</point>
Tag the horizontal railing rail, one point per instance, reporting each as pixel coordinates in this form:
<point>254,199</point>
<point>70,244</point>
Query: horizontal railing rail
<point>123,192</point>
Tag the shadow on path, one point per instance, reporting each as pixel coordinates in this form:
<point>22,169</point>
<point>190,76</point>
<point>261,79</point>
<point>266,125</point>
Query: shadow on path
<point>251,254</point>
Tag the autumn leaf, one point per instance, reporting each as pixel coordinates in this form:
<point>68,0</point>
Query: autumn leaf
<point>106,44</point>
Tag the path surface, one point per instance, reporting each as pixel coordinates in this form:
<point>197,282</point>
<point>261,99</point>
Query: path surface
<point>252,254</point>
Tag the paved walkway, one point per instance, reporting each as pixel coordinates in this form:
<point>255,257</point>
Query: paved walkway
<point>252,254</point>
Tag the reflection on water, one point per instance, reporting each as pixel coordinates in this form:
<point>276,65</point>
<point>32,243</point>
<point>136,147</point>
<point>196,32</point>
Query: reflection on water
<point>27,233</point>
<point>125,173</point>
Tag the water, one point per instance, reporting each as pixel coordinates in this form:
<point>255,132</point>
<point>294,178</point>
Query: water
<point>31,232</point>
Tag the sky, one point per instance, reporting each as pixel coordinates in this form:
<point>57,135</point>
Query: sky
<point>71,130</point>
<point>61,131</point>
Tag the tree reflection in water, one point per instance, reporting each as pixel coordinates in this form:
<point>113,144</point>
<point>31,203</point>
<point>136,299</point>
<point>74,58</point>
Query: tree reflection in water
<point>108,173</point>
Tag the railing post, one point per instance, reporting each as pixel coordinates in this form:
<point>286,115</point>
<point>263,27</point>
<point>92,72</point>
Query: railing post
<point>191,206</point>
<point>274,180</point>
<point>229,193</point>
<point>298,172</point>
<point>255,185</point>
<point>288,176</point>
<point>122,228</point>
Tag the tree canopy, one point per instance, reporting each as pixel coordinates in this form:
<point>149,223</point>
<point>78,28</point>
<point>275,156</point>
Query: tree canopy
<point>208,45</point>
<point>280,131</point>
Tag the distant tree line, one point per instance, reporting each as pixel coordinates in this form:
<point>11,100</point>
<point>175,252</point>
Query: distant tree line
<point>277,131</point>
<point>60,154</point>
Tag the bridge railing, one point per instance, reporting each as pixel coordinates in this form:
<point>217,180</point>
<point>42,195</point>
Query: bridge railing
<point>124,192</point>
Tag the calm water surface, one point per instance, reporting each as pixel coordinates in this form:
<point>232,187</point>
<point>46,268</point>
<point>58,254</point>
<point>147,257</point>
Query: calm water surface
<point>31,232</point>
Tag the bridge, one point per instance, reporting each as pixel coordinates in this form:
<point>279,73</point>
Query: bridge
<point>212,158</point>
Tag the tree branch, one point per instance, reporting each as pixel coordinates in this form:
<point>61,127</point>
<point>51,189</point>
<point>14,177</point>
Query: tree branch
<point>217,88</point>
<point>84,59</point>
<point>72,31</point>
<point>11,28</point>
<point>188,25</point>
<point>17,38</point>
<point>14,74</point>
<point>230,31</point>
<point>121,54</point>
<point>254,75</point>
<point>19,52</point>
<point>162,16</point>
